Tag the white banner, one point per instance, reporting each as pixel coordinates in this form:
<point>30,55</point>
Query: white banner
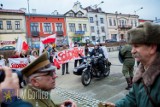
<point>69,54</point>
<point>18,63</point>
<point>2,62</point>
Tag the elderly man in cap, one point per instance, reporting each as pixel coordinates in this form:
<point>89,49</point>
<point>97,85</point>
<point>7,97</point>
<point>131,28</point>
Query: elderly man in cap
<point>145,41</point>
<point>40,77</point>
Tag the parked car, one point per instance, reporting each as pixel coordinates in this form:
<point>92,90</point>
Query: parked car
<point>8,48</point>
<point>110,40</point>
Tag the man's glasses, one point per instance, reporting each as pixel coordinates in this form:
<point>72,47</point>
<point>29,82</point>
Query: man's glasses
<point>49,73</point>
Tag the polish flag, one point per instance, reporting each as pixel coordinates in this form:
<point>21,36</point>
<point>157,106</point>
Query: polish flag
<point>25,46</point>
<point>49,39</point>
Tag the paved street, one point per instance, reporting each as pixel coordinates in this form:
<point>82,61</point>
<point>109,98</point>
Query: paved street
<point>108,89</point>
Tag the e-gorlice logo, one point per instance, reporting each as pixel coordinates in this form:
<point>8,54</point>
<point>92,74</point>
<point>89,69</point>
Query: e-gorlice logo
<point>38,94</point>
<point>7,95</point>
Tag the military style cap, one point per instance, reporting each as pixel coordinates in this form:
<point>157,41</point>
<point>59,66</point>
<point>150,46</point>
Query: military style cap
<point>146,33</point>
<point>41,64</point>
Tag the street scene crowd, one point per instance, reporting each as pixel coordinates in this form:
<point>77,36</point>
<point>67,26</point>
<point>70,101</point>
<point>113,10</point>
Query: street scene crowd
<point>39,74</point>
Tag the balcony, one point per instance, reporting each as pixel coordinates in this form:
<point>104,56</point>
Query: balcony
<point>124,26</point>
<point>35,33</point>
<point>79,32</point>
<point>59,33</point>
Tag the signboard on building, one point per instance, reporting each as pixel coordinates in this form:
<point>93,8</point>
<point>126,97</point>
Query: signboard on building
<point>7,42</point>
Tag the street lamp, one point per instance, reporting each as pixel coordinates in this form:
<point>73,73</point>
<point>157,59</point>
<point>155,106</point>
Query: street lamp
<point>137,10</point>
<point>27,32</point>
<point>96,5</point>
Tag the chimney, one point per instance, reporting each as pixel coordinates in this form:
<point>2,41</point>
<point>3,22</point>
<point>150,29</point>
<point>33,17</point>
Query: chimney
<point>23,9</point>
<point>155,18</point>
<point>34,11</point>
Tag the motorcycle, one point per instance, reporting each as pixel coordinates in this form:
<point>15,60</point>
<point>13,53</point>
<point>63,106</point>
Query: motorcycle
<point>89,69</point>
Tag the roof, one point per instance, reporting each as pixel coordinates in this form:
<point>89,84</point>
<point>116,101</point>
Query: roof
<point>11,11</point>
<point>45,15</point>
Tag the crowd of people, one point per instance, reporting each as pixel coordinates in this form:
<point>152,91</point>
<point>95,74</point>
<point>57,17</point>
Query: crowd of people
<point>143,85</point>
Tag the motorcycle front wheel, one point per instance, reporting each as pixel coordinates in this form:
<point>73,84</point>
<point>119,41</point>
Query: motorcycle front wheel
<point>86,78</point>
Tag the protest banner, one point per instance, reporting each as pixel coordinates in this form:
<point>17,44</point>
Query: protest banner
<point>69,54</point>
<point>2,62</point>
<point>18,63</point>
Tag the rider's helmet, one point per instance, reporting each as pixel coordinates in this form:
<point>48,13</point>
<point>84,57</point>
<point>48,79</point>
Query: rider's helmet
<point>97,44</point>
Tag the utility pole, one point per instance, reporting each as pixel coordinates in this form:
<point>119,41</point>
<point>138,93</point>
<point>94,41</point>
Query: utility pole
<point>28,24</point>
<point>96,7</point>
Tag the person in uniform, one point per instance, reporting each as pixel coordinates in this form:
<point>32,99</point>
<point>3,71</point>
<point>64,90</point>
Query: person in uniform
<point>145,41</point>
<point>128,64</point>
<point>40,77</point>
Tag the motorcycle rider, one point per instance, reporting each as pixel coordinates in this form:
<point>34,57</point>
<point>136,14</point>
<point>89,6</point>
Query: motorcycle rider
<point>96,52</point>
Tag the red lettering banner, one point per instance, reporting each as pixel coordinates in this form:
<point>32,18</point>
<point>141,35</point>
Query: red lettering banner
<point>17,63</point>
<point>69,54</point>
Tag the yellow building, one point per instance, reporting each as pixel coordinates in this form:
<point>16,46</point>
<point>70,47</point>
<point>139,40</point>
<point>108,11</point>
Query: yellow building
<point>77,26</point>
<point>12,25</point>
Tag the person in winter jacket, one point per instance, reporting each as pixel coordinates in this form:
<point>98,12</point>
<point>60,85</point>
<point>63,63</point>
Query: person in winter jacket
<point>145,41</point>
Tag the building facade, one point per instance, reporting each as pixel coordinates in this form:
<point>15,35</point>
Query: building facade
<point>77,26</point>
<point>40,26</point>
<point>12,25</point>
<point>118,24</point>
<point>97,24</point>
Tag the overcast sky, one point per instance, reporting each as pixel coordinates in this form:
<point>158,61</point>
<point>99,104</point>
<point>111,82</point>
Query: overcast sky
<point>150,9</point>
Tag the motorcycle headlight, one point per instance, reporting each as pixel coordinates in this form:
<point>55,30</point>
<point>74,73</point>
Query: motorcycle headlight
<point>75,70</point>
<point>100,55</point>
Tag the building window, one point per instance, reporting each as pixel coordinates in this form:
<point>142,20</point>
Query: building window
<point>47,27</point>
<point>59,26</point>
<point>92,29</point>
<point>135,23</point>
<point>132,22</point>
<point>104,38</point>
<point>9,26</point>
<point>17,25</point>
<point>102,29</point>
<point>101,20</point>
<point>72,27</point>
<point>80,27</point>
<point>122,22</point>
<point>110,22</point>
<point>114,22</point>
<point>114,36</point>
<point>91,19</point>
<point>85,27</point>
<point>1,25</point>
<point>71,14</point>
<point>34,27</point>
<point>79,15</point>
<point>93,38</point>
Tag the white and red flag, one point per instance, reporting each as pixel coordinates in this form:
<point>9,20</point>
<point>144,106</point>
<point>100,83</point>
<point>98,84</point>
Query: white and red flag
<point>21,45</point>
<point>25,46</point>
<point>49,39</point>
